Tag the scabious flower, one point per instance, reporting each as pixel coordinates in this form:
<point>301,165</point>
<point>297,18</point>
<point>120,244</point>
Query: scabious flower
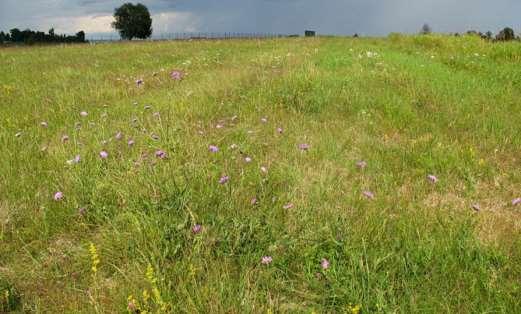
<point>160,154</point>
<point>58,196</point>
<point>288,206</point>
<point>118,136</point>
<point>361,164</point>
<point>213,148</point>
<point>247,159</point>
<point>176,75</point>
<point>65,138</point>
<point>324,263</point>
<point>139,82</point>
<point>266,260</point>
<point>103,154</point>
<point>224,179</point>
<point>75,160</point>
<point>197,228</point>
<point>368,194</point>
<point>303,146</point>
<point>432,178</point>
<point>130,142</point>
<point>280,130</point>
<point>84,113</point>
<point>253,201</point>
<point>516,201</point>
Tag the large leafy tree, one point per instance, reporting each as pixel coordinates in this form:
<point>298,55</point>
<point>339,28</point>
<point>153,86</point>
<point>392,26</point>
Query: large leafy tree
<point>132,21</point>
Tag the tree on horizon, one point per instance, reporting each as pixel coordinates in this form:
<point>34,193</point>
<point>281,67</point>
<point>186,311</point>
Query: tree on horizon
<point>132,21</point>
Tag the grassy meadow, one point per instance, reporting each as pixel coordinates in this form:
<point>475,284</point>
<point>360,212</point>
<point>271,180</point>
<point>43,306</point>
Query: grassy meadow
<point>318,175</point>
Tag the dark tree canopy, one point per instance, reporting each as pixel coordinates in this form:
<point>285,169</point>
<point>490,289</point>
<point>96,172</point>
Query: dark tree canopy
<point>426,29</point>
<point>506,34</point>
<point>32,37</point>
<point>133,21</point>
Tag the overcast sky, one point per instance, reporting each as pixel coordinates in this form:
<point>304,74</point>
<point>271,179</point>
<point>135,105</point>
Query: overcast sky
<point>368,17</point>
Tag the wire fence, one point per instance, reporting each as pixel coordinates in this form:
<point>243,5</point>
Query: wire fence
<point>193,36</point>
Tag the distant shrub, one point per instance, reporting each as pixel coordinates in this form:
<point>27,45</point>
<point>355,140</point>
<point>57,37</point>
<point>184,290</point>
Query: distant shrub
<point>426,29</point>
<point>507,34</point>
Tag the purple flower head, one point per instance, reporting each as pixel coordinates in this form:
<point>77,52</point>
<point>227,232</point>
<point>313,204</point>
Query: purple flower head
<point>58,196</point>
<point>253,201</point>
<point>361,164</point>
<point>160,154</point>
<point>82,211</point>
<point>130,142</point>
<point>213,148</point>
<point>368,194</point>
<point>176,75</point>
<point>224,179</point>
<point>516,201</point>
<point>43,124</point>
<point>432,178</point>
<point>288,206</point>
<point>84,113</point>
<point>324,263</point>
<point>303,146</point>
<point>197,228</point>
<point>65,138</point>
<point>118,136</point>
<point>266,260</point>
<point>103,154</point>
<point>139,82</point>
<point>247,159</point>
<point>280,130</point>
<point>75,160</point>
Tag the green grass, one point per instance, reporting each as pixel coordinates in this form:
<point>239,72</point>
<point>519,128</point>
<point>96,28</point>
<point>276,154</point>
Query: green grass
<point>421,105</point>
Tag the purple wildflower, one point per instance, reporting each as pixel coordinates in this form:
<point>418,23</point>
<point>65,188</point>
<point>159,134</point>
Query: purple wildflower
<point>266,260</point>
<point>303,146</point>
<point>160,154</point>
<point>288,206</point>
<point>197,228</point>
<point>176,75</point>
<point>58,196</point>
<point>103,154</point>
<point>247,159</point>
<point>139,82</point>
<point>361,164</point>
<point>75,160</point>
<point>224,179</point>
<point>130,142</point>
<point>280,130</point>
<point>324,263</point>
<point>118,136</point>
<point>253,201</point>
<point>432,178</point>
<point>516,201</point>
<point>368,194</point>
<point>82,211</point>
<point>213,148</point>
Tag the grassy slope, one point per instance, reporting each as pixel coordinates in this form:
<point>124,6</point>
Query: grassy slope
<point>423,105</point>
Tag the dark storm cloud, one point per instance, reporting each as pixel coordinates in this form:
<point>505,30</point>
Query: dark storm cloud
<point>372,17</point>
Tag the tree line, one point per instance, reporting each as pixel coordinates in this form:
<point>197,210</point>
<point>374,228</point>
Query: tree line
<point>506,34</point>
<point>32,37</point>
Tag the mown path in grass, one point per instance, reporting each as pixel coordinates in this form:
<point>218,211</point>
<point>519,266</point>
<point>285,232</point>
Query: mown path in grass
<point>286,175</point>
